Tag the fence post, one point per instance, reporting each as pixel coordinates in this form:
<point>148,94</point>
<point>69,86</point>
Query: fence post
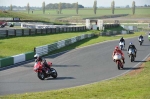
<point>22,32</point>
<point>35,31</point>
<point>46,30</point>
<point>6,33</point>
<point>15,32</point>
<point>41,31</point>
<point>29,31</point>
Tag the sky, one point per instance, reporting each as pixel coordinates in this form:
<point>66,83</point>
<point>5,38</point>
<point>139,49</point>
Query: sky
<point>85,3</point>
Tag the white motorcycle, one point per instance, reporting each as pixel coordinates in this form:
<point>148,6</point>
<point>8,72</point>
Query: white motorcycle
<point>121,45</point>
<point>131,53</point>
<point>118,59</point>
<point>140,41</point>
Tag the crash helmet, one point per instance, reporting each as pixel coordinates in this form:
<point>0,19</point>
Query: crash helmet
<point>130,43</point>
<point>36,56</point>
<point>116,48</point>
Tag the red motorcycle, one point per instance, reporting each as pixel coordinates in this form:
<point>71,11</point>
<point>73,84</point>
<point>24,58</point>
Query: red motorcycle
<point>118,59</point>
<point>41,70</point>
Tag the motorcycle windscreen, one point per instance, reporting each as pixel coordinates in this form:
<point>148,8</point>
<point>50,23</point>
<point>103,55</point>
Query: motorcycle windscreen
<point>117,56</point>
<point>121,43</point>
<point>37,66</point>
<point>131,51</point>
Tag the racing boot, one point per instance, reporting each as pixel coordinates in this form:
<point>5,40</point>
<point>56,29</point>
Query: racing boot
<point>123,61</point>
<point>48,71</point>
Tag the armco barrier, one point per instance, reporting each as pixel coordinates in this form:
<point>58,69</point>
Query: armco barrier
<point>16,59</point>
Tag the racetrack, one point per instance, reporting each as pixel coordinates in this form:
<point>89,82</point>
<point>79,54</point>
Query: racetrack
<point>76,67</point>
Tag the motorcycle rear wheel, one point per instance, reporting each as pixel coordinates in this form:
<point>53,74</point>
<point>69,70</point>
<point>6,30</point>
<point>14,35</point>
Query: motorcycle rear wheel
<point>41,75</point>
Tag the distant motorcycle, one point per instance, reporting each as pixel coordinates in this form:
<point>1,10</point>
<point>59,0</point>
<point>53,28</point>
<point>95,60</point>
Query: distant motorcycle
<point>131,53</point>
<point>141,41</point>
<point>41,70</point>
<point>118,59</point>
<point>149,37</point>
<point>121,45</point>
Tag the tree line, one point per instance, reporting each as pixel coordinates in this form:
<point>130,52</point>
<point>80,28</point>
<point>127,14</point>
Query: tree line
<point>76,6</point>
<point>63,6</point>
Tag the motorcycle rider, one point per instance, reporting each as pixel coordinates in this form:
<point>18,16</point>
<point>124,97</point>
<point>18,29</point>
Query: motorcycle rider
<point>117,50</point>
<point>141,37</point>
<point>131,46</point>
<point>38,58</point>
<point>122,40</point>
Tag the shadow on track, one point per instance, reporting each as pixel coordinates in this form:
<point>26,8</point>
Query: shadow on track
<point>140,61</point>
<point>60,78</point>
<point>65,65</point>
<point>145,45</point>
<point>131,68</point>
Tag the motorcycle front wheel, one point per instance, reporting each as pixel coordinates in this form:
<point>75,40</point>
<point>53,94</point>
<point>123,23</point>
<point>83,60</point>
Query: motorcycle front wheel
<point>118,65</point>
<point>54,73</point>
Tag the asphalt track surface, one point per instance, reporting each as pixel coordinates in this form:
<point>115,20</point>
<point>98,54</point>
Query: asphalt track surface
<point>75,67</point>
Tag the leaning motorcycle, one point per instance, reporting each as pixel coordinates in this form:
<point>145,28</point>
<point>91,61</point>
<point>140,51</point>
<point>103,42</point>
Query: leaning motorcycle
<point>131,53</point>
<point>41,70</point>
<point>140,41</point>
<point>118,59</point>
<point>121,45</point>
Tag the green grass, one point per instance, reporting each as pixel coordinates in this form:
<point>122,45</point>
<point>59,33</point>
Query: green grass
<point>125,87</point>
<point>17,45</point>
<point>71,14</point>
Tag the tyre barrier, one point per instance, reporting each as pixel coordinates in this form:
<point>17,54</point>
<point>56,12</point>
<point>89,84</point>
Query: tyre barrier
<point>46,49</point>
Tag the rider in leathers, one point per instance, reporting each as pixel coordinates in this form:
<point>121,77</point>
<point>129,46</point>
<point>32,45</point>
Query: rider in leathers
<point>122,40</point>
<point>131,46</point>
<point>39,59</point>
<point>117,50</point>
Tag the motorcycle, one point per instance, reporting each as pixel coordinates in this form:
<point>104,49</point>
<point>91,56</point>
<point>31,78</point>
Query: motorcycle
<point>41,70</point>
<point>141,41</point>
<point>149,37</point>
<point>118,59</point>
<point>131,54</point>
<point>121,44</point>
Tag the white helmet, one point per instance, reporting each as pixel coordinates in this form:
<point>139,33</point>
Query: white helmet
<point>36,56</point>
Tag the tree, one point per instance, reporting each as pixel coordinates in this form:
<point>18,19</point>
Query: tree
<point>113,6</point>
<point>28,8</point>
<point>11,7</point>
<point>133,7</point>
<point>59,8</point>
<point>145,5</point>
<point>43,6</point>
<point>63,6</point>
<point>95,6</point>
<point>76,8</point>
<point>127,6</point>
